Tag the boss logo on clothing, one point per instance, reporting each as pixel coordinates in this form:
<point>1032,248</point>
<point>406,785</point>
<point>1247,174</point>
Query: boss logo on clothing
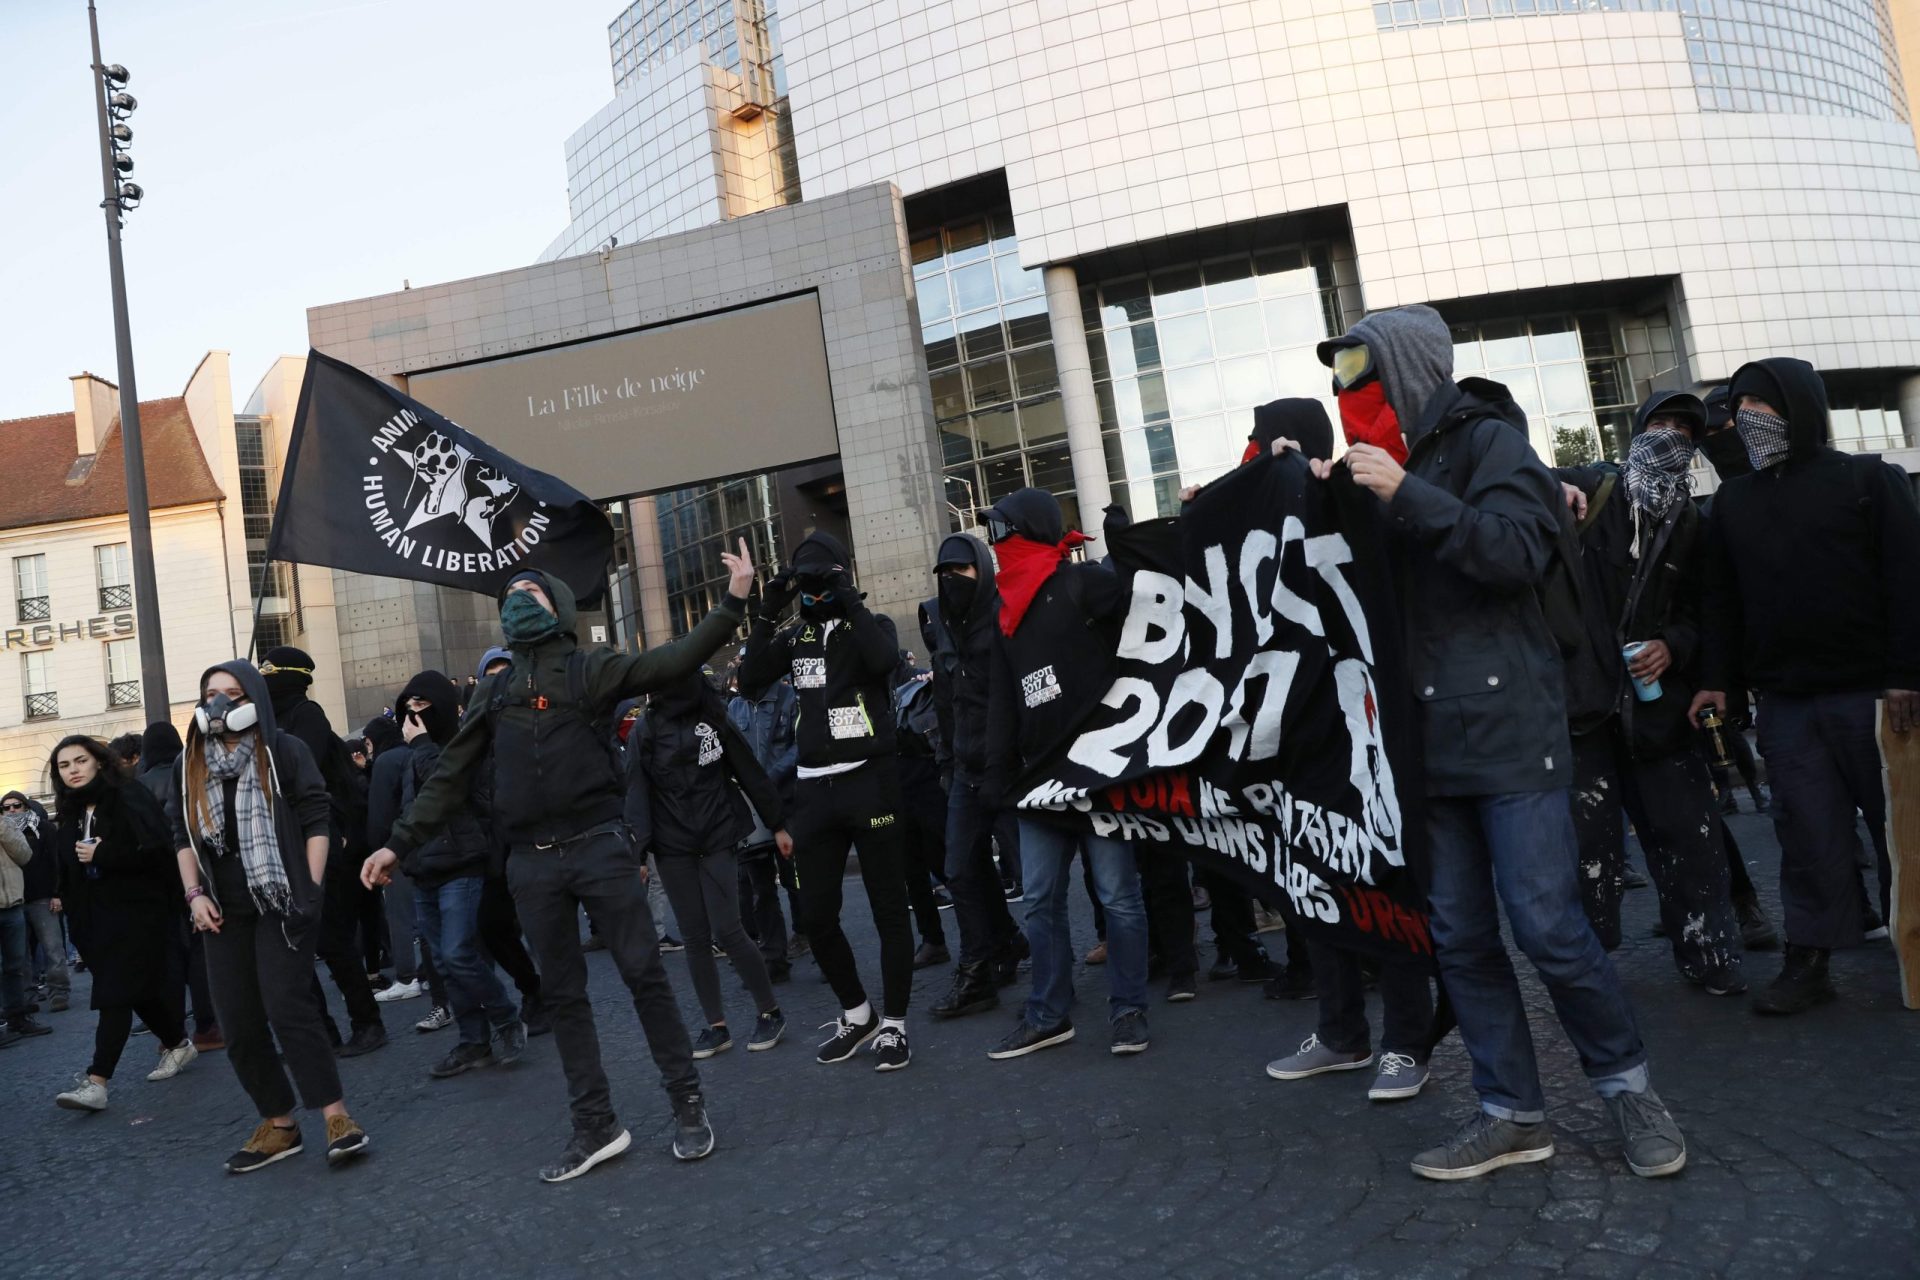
<point>880,820</point>
<point>848,722</point>
<point>809,673</point>
<point>710,749</point>
<point>1040,686</point>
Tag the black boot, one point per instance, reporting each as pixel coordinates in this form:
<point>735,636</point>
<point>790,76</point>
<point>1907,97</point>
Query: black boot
<point>1756,931</point>
<point>1802,984</point>
<point>973,991</point>
<point>930,954</point>
<point>1006,962</point>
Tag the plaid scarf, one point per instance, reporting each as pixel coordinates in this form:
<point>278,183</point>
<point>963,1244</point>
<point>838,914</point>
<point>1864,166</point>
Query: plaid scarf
<point>1656,470</point>
<point>1765,436</point>
<point>259,844</point>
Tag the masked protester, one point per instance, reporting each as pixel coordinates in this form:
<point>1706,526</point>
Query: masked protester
<point>1055,655</point>
<point>626,718</point>
<point>288,673</point>
<point>958,626</point>
<point>1477,520</point>
<point>414,974</point>
<point>499,923</point>
<point>916,737</point>
<point>558,797</point>
<point>253,828</point>
<point>848,787</point>
<point>115,888</point>
<point>1814,603</point>
<point>1635,746</point>
<point>767,725</point>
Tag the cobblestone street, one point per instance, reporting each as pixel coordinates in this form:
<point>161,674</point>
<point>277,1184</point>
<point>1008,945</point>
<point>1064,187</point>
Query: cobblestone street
<point>1187,1160</point>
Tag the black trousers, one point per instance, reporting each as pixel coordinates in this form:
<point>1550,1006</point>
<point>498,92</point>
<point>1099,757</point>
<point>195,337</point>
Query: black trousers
<point>340,912</point>
<point>600,872</point>
<point>924,806</point>
<point>261,970</point>
<point>979,900</point>
<point>1671,802</point>
<point>1739,881</point>
<point>204,1018</point>
<point>1235,936</point>
<point>760,903</point>
<point>1169,901</point>
<point>500,935</point>
<point>1406,998</point>
<point>831,815</point>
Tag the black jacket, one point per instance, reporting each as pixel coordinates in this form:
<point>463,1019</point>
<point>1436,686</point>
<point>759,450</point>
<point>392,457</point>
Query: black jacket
<point>840,668</point>
<point>1476,520</point>
<point>1655,596</point>
<point>305,719</point>
<point>682,772</point>
<point>961,649</point>
<point>1813,565</point>
<point>124,919</point>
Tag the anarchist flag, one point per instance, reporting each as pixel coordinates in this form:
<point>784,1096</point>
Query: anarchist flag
<point>378,483</point>
<point>1261,722</point>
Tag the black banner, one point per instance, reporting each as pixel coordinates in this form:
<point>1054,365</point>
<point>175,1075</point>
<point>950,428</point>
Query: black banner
<point>1261,724</point>
<point>378,483</point>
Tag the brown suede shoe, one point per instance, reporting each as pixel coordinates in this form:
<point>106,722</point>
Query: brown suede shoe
<point>345,1139</point>
<point>269,1144</point>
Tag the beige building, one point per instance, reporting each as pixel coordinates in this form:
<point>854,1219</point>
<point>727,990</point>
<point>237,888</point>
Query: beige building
<point>69,648</point>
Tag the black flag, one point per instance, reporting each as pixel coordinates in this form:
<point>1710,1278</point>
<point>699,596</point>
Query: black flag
<point>378,483</point>
<point>1260,723</point>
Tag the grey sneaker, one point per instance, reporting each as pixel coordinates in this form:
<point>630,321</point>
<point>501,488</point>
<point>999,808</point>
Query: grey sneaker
<point>509,1041</point>
<point>87,1094</point>
<point>1482,1145</point>
<point>1654,1147</point>
<point>1315,1058</point>
<point>1399,1076</point>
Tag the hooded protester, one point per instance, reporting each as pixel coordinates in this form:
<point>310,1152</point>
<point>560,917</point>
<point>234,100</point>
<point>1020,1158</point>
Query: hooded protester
<point>499,923</point>
<point>626,717</point>
<point>1476,519</point>
<point>159,757</point>
<point>253,829</point>
<point>288,673</point>
<point>21,813</point>
<point>448,874</point>
<point>115,877</point>
<point>767,724</point>
<point>558,804</point>
<point>159,749</point>
<point>958,626</point>
<point>848,788</point>
<point>382,735</point>
<point>686,768</point>
<point>923,802</point>
<point>1643,558</point>
<point>414,974</point>
<point>1813,602</point>
<point>1055,653</point>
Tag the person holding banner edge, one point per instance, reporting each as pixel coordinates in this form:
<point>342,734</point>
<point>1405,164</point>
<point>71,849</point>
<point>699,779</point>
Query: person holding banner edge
<point>1478,522</point>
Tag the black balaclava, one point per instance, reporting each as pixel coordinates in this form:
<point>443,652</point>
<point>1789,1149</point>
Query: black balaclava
<point>384,734</point>
<point>820,556</point>
<point>442,716</point>
<point>288,685</point>
<point>1302,421</point>
<point>688,698</point>
<point>1721,443</point>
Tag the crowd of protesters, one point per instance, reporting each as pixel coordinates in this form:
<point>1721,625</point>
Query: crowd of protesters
<point>1588,648</point>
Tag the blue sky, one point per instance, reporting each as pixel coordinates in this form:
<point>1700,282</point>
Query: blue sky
<point>294,152</point>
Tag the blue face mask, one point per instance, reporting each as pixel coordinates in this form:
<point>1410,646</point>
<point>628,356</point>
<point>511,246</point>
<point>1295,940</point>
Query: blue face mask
<point>524,620</point>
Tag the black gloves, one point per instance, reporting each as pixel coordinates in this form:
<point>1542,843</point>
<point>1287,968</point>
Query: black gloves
<point>778,594</point>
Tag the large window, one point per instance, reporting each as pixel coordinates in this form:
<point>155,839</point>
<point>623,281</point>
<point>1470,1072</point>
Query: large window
<point>36,684</point>
<point>114,566</point>
<point>32,601</point>
<point>1182,354</point>
<point>277,587</point>
<point>697,524</point>
<point>123,673</point>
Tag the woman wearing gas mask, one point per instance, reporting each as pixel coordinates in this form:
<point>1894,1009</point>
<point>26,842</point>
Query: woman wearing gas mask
<point>250,823</point>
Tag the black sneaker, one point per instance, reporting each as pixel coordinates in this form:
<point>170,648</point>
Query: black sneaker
<point>712,1040</point>
<point>930,954</point>
<point>366,1039</point>
<point>1295,982</point>
<point>509,1041</point>
<point>1482,1145</point>
<point>587,1150</point>
<point>943,897</point>
<point>1180,988</point>
<point>890,1048</point>
<point>669,943</point>
<point>1223,970</point>
<point>692,1132</point>
<point>767,1030</point>
<point>1129,1033</point>
<point>1802,984</point>
<point>1025,1038</point>
<point>460,1060</point>
<point>28,1025</point>
<point>533,1015</point>
<point>847,1037</point>
<point>1257,969</point>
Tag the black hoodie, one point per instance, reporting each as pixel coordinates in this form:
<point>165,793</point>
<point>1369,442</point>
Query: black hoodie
<point>961,646</point>
<point>686,764</point>
<point>1302,421</point>
<point>1813,573</point>
<point>465,846</point>
<point>841,666</point>
<point>299,800</point>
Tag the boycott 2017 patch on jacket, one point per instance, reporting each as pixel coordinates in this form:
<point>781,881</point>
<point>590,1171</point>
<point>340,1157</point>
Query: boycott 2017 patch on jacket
<point>1260,722</point>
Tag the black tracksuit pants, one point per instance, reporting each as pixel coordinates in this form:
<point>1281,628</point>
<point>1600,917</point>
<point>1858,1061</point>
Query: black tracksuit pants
<point>830,816</point>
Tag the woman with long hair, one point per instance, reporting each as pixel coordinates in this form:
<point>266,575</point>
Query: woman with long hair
<point>114,884</point>
<point>251,827</point>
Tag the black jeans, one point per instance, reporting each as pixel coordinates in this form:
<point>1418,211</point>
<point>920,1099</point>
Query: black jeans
<point>261,971</point>
<point>1671,802</point>
<point>1406,998</point>
<point>704,890</point>
<point>760,912</point>
<point>600,872</point>
<point>979,901</point>
<point>1234,936</point>
<point>924,849</point>
<point>830,815</point>
<point>1169,898</point>
<point>339,917</point>
<point>500,935</point>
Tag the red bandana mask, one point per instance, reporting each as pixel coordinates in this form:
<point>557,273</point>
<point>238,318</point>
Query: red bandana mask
<point>1025,566</point>
<point>1367,418</point>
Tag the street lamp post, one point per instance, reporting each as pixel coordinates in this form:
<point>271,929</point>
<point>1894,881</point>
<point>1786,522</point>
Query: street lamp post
<point>114,105</point>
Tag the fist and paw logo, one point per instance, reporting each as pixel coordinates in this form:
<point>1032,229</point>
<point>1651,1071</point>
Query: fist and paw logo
<point>448,480</point>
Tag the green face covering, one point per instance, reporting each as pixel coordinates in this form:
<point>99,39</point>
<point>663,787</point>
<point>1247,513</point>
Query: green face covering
<point>525,621</point>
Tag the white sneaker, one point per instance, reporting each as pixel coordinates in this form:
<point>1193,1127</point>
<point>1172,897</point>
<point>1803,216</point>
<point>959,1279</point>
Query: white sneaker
<point>401,991</point>
<point>87,1094</point>
<point>172,1060</point>
<point>437,1018</point>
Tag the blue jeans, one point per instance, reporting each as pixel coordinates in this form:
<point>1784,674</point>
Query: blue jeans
<point>1520,850</point>
<point>16,968</point>
<point>1046,852</point>
<point>449,920</point>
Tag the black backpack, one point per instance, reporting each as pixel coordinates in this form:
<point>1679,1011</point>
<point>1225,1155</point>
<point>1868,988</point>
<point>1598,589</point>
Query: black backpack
<point>916,719</point>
